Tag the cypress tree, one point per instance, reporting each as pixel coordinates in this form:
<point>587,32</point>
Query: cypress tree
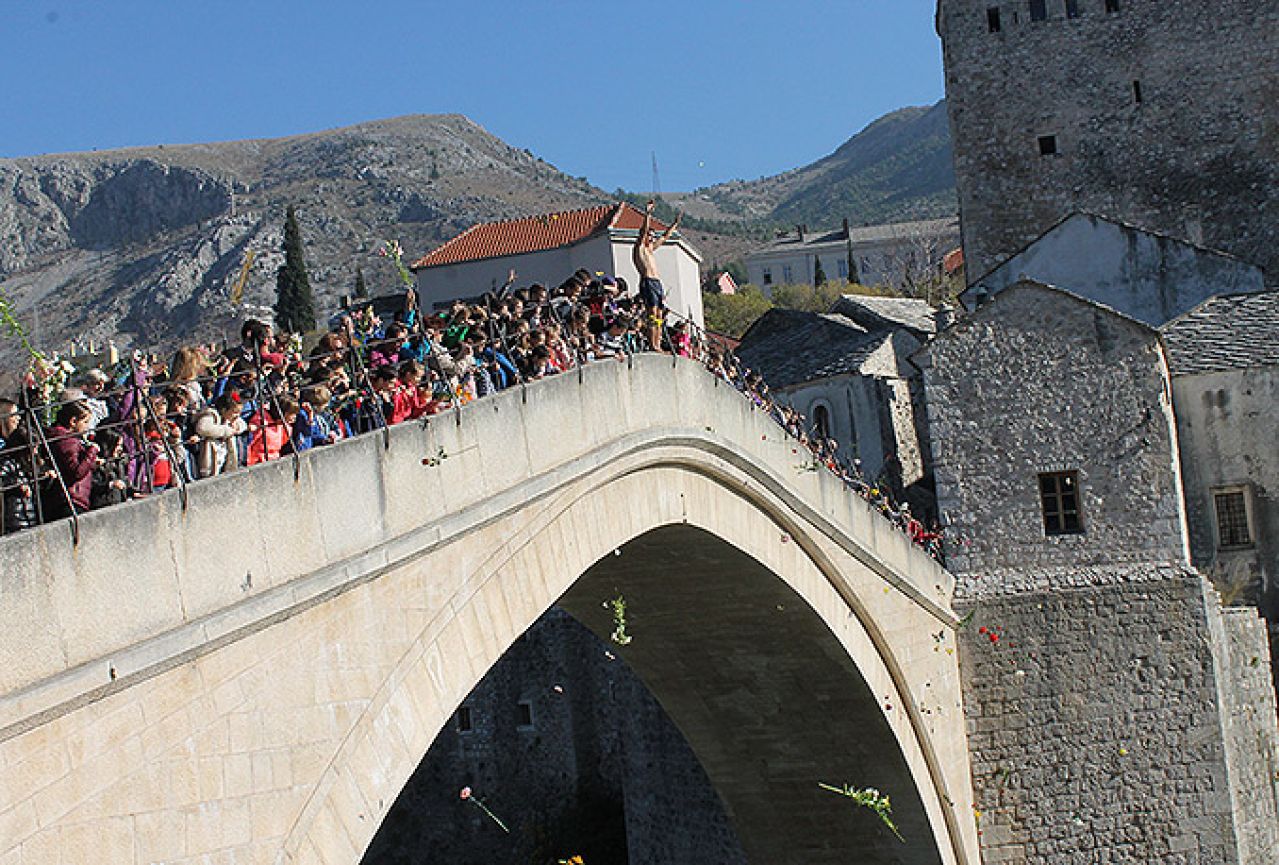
<point>294,304</point>
<point>853,276</point>
<point>819,275</point>
<point>361,289</point>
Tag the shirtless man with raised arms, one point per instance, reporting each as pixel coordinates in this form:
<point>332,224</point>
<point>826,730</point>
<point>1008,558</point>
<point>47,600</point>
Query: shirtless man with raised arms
<point>650,284</point>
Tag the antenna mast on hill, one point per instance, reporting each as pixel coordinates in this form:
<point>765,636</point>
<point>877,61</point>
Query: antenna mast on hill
<point>657,178</point>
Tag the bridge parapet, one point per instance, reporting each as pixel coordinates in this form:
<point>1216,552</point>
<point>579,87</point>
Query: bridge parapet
<point>327,625</point>
<point>148,568</point>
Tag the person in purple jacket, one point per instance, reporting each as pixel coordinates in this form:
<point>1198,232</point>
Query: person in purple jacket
<point>73,457</point>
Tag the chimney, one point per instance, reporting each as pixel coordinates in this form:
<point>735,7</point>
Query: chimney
<point>799,231</point>
<point>944,316</point>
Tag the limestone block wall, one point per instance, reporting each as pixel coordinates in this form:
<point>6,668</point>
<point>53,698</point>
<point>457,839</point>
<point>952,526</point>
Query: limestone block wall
<point>1251,738</point>
<point>1191,156</point>
<point>1108,723</point>
<point>1039,381</point>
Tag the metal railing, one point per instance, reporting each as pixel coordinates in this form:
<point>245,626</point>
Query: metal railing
<point>134,410</point>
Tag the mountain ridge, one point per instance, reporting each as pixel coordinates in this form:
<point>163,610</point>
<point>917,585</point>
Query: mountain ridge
<point>896,169</point>
<point>141,244</point>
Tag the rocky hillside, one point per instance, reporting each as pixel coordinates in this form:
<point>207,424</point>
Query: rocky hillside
<point>899,168</point>
<point>143,244</point>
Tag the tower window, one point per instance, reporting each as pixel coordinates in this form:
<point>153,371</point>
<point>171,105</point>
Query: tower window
<point>1112,6</point>
<point>1038,10</point>
<point>1136,92</point>
<point>1072,8</point>
<point>524,715</point>
<point>464,722</point>
<point>1059,496</point>
<point>992,19</point>
<point>1048,145</point>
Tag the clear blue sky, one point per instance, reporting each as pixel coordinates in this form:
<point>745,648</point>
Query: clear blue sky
<point>719,89</point>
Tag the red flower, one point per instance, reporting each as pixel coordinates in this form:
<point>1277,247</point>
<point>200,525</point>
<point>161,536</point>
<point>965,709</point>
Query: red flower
<point>982,629</point>
<point>994,638</point>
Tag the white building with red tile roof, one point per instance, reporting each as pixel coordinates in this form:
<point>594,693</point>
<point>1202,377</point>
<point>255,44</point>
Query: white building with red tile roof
<point>548,249</point>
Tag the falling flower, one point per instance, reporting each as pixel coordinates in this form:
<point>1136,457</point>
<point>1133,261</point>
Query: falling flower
<point>869,798</point>
<point>466,795</point>
<point>617,606</point>
<point>559,689</point>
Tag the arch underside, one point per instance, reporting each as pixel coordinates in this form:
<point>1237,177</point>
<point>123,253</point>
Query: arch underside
<point>312,715</point>
<point>769,670</point>
<point>767,697</point>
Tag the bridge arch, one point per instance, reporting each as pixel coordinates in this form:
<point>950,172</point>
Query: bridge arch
<point>432,601</point>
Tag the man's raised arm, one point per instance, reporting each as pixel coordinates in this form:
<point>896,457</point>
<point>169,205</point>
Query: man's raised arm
<point>674,225</point>
<point>647,228</point>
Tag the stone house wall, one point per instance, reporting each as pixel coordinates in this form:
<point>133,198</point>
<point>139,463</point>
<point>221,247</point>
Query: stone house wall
<point>1040,381</point>
<point>1221,422</point>
<point>1161,114</point>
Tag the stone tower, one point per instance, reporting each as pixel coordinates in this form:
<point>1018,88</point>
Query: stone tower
<point>1160,113</point>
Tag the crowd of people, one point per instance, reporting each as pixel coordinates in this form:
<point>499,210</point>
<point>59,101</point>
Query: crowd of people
<point>78,439</point>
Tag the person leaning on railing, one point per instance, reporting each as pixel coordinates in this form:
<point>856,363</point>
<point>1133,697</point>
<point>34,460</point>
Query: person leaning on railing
<point>16,465</point>
<point>365,374</point>
<point>73,458</point>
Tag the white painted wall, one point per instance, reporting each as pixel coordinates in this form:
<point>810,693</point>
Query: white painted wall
<point>857,416</point>
<point>1146,276</point>
<point>878,262</point>
<point>681,276</point>
<point>1226,423</point>
<point>681,273</point>
<point>551,267</point>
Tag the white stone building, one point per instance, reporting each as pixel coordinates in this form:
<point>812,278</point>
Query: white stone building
<point>1224,357</point>
<point>1147,276</point>
<point>847,372</point>
<point>547,249</point>
<point>881,254</point>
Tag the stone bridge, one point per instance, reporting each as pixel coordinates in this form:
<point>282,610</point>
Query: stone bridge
<point>254,678</point>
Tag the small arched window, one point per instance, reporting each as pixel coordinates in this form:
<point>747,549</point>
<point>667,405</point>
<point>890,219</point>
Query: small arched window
<point>821,421</point>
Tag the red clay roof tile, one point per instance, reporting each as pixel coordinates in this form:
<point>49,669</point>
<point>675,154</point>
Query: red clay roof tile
<point>534,234</point>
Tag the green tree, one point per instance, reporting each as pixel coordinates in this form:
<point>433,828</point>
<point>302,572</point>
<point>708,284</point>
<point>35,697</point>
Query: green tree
<point>819,275</point>
<point>294,303</point>
<point>731,314</point>
<point>361,288</point>
<point>822,298</point>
